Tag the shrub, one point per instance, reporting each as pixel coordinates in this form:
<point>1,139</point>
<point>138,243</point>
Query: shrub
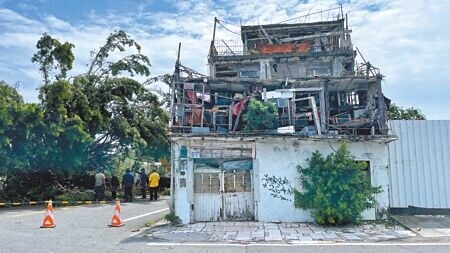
<point>336,188</point>
<point>172,219</point>
<point>75,196</point>
<point>165,192</point>
<point>260,115</point>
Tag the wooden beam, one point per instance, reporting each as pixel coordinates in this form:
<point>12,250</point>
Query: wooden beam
<point>266,35</point>
<point>312,36</point>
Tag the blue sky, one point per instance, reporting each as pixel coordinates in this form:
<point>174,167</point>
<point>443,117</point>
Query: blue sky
<point>409,40</point>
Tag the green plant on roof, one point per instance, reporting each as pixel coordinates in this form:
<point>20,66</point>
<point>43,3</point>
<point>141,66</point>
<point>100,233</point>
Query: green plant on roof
<point>260,115</point>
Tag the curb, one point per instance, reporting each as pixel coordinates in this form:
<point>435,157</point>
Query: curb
<point>55,203</point>
<point>414,230</point>
<point>61,202</point>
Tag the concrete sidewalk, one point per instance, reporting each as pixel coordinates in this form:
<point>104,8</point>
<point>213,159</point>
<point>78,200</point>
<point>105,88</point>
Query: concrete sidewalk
<point>261,232</point>
<point>428,226</point>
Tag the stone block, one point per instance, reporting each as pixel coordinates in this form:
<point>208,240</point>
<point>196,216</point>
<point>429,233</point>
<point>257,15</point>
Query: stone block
<point>305,238</point>
<point>243,236</point>
<point>317,236</point>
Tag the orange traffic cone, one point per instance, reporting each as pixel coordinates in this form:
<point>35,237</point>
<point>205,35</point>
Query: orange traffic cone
<point>49,220</point>
<point>116,222</point>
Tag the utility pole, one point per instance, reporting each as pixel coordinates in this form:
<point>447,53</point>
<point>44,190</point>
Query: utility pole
<point>212,49</point>
<point>174,87</point>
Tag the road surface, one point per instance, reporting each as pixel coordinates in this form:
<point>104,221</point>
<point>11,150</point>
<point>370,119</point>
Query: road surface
<point>85,229</point>
<point>78,228</point>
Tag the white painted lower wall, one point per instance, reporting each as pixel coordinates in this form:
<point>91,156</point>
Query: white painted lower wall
<point>280,157</point>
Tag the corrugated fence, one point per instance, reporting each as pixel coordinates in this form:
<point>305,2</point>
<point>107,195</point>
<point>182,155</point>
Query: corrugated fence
<point>420,164</point>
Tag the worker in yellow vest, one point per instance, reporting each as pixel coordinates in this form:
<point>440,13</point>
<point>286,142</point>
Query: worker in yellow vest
<point>153,183</point>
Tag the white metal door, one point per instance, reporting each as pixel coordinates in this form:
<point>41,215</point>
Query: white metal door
<point>223,190</point>
<point>238,195</point>
<point>207,195</point>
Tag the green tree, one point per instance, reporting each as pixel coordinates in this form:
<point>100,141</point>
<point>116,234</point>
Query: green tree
<point>53,55</point>
<point>67,136</point>
<point>85,122</point>
<point>106,111</point>
<point>21,131</point>
<point>396,112</point>
<point>127,114</point>
<point>260,115</point>
<point>133,64</point>
<point>164,95</point>
<point>336,188</point>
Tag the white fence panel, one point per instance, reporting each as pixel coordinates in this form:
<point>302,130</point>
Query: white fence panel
<point>420,164</point>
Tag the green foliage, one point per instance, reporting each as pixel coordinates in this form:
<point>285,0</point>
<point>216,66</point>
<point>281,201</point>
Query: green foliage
<point>165,192</point>
<point>260,115</point>
<point>102,112</point>
<point>336,188</point>
<point>164,94</point>
<point>90,121</point>
<point>74,196</point>
<point>52,55</point>
<point>172,218</point>
<point>30,185</point>
<point>21,132</point>
<point>396,112</point>
<point>67,136</point>
<point>133,64</point>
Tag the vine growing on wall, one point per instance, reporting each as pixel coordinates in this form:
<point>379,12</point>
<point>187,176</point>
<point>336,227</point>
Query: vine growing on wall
<point>279,187</point>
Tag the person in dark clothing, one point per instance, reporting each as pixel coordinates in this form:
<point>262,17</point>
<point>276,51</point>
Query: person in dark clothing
<point>144,183</point>
<point>127,185</point>
<point>114,186</point>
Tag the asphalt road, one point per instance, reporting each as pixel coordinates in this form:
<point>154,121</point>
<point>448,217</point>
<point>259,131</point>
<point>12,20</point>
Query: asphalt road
<point>283,248</point>
<point>78,228</point>
<point>85,229</point>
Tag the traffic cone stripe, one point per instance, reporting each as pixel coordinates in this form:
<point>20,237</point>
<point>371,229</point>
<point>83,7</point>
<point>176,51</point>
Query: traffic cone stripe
<point>116,222</point>
<point>49,221</point>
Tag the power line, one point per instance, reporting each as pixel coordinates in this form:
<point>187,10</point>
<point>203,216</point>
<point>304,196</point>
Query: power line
<point>228,23</point>
<point>218,21</point>
<point>309,14</point>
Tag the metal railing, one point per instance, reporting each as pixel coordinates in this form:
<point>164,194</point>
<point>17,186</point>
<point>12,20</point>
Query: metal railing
<point>228,47</point>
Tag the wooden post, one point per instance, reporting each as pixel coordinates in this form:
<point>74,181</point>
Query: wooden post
<point>237,120</point>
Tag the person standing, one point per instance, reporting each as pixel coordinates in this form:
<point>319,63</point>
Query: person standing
<point>100,185</point>
<point>153,182</point>
<point>114,186</point>
<point>127,185</point>
<point>144,183</point>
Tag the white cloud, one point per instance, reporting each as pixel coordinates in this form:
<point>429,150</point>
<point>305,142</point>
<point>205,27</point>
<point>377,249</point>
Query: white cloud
<point>406,39</point>
<point>56,23</point>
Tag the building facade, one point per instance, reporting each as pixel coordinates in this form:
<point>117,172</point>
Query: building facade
<point>323,99</point>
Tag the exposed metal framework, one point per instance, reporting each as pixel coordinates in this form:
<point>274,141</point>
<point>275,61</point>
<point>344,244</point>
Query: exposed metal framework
<point>307,69</point>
